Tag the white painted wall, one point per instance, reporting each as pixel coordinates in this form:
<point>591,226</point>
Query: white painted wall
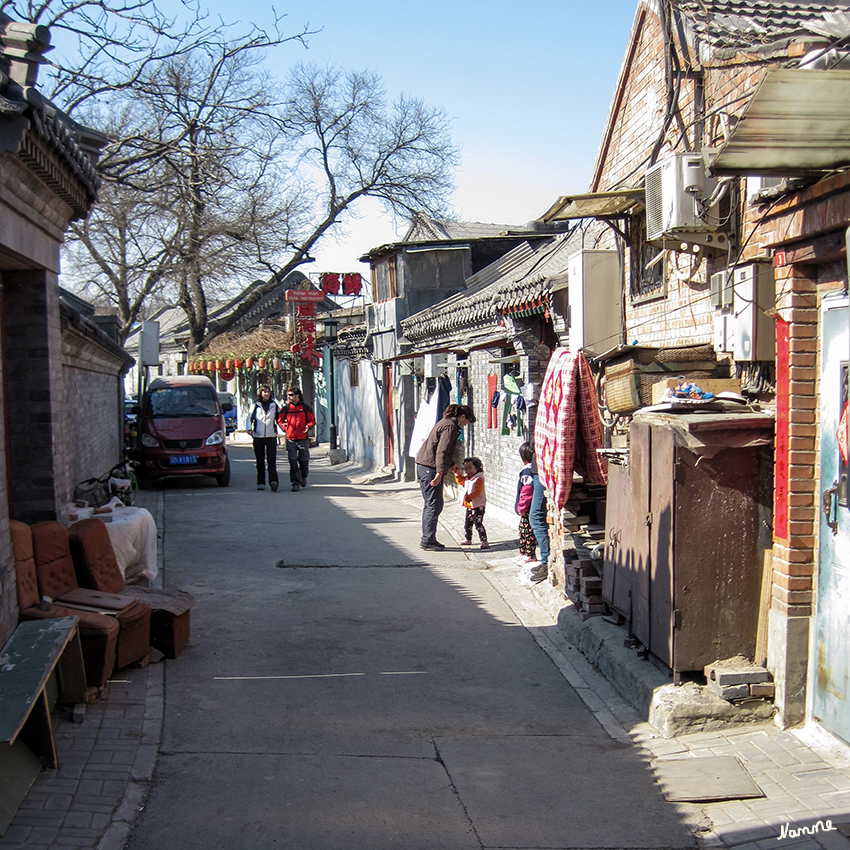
<point>360,428</point>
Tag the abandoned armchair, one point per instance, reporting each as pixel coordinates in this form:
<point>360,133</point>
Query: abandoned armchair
<point>98,632</point>
<point>57,579</point>
<point>97,568</point>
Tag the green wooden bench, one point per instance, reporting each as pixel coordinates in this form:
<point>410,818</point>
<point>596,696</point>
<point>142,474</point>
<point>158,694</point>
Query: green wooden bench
<point>41,665</point>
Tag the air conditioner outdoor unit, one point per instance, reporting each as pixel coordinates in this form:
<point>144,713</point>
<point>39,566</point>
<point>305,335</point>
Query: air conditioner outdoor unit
<point>675,188</point>
<point>722,290</point>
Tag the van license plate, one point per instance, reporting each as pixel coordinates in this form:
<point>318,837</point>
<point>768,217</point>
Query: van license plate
<point>184,459</point>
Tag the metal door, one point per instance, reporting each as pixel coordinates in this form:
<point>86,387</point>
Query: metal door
<point>831,650</point>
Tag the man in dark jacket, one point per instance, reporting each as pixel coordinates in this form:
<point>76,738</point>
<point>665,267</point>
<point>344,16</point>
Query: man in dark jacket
<point>433,461</point>
<point>295,419</point>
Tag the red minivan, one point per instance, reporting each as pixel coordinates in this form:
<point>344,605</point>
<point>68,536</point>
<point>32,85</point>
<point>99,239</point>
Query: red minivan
<point>182,431</point>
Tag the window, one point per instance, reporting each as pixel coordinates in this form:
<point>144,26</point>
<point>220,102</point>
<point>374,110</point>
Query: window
<point>354,374</point>
<point>647,278</point>
<point>385,279</point>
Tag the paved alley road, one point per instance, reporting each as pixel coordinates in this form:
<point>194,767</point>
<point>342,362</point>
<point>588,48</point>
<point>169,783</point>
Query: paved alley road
<point>344,690</point>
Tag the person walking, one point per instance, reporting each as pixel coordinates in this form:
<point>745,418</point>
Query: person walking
<point>262,426</point>
<point>471,478</point>
<point>433,460</point>
<point>295,419</point>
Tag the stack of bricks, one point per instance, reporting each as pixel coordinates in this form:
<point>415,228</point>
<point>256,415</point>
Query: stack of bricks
<point>583,586</point>
<point>579,526</point>
<point>738,679</point>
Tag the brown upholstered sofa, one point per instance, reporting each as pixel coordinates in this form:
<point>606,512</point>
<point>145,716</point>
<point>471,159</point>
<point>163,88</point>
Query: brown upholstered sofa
<point>98,632</point>
<point>57,579</point>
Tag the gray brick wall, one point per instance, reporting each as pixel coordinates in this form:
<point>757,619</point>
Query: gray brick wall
<point>500,452</point>
<point>91,429</point>
<point>8,600</point>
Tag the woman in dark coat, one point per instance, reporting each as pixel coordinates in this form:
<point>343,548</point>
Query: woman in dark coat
<point>433,461</point>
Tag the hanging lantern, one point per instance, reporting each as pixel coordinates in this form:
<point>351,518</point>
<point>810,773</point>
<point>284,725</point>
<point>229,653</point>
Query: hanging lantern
<point>276,363</point>
<point>261,362</point>
<point>210,365</point>
<point>249,362</point>
<point>237,362</point>
<point>228,364</point>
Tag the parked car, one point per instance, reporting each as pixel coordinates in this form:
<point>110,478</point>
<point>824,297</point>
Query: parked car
<point>131,411</point>
<point>182,431</point>
<point>230,409</point>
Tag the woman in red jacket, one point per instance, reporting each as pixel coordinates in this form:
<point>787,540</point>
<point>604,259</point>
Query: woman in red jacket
<point>295,419</point>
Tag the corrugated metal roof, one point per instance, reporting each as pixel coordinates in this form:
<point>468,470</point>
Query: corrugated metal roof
<point>755,24</point>
<point>615,204</point>
<point>798,121</point>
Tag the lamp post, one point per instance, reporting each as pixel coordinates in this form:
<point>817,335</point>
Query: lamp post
<point>331,338</point>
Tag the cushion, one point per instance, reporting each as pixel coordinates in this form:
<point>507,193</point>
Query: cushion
<point>25,575</point>
<point>54,565</point>
<point>94,557</point>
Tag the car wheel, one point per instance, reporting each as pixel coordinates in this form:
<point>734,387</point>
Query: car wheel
<point>224,479</point>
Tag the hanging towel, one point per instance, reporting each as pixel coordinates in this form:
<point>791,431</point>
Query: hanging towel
<point>568,430</point>
<point>493,396</point>
<point>506,425</point>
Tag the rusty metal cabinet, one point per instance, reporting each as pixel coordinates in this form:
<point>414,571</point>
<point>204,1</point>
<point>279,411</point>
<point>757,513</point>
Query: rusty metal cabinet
<point>688,520</point>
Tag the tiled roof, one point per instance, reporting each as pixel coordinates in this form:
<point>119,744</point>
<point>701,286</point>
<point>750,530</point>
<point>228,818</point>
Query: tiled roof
<point>755,24</point>
<point>52,133</point>
<point>351,343</point>
<point>475,317</point>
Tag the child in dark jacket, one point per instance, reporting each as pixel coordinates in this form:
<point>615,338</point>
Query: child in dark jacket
<point>524,495</point>
<point>471,478</point>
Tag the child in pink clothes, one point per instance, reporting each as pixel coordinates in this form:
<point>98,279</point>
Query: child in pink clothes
<point>471,478</point>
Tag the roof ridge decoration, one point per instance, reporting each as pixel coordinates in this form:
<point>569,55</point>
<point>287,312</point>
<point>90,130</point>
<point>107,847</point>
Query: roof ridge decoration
<point>53,135</point>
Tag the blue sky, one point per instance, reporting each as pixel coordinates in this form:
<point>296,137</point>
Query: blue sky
<point>527,87</point>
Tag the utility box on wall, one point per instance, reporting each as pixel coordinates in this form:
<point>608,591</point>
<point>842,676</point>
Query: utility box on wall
<point>754,330</point>
<point>595,284</point>
<point>149,344</point>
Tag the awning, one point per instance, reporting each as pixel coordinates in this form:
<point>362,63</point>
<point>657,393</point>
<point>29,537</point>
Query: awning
<point>619,204</point>
<point>796,123</point>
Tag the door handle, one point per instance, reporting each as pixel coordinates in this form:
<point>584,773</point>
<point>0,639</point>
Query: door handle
<point>829,501</point>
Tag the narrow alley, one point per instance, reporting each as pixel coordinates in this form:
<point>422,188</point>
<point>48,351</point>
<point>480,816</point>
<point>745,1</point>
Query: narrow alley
<point>342,690</point>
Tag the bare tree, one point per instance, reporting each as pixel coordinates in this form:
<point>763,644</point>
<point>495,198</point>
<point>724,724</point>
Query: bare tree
<point>194,193</point>
<point>107,46</point>
<point>346,143</point>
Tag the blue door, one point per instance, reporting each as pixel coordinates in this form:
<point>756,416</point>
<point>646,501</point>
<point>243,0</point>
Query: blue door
<point>831,683</point>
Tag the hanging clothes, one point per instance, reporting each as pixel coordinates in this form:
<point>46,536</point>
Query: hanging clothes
<point>444,395</point>
<point>492,397</point>
<point>568,430</point>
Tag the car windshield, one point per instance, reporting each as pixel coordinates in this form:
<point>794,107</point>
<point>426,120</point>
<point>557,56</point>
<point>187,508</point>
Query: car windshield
<point>182,401</point>
<point>228,402</point>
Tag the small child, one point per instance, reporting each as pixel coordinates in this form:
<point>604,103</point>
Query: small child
<point>471,477</point>
<point>524,494</point>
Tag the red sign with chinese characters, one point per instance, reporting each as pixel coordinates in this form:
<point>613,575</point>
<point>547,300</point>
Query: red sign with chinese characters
<point>783,430</point>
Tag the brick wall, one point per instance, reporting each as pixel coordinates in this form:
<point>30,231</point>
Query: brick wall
<point>91,410</point>
<point>8,600</point>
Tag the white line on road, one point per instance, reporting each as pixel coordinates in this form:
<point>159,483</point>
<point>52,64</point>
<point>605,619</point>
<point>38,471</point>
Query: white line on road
<point>312,676</point>
<point>318,676</point>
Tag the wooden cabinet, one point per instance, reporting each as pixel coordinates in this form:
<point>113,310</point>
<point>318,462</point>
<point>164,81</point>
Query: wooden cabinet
<point>688,520</point>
